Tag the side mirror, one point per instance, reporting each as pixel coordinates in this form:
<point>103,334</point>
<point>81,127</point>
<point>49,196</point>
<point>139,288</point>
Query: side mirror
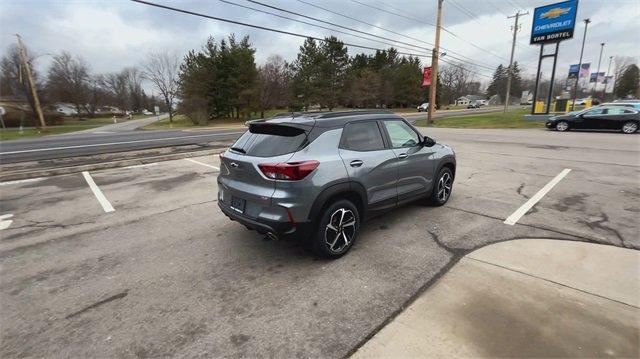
<point>428,141</point>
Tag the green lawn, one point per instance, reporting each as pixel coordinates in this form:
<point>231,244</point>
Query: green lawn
<point>14,134</point>
<point>512,119</point>
<point>183,122</point>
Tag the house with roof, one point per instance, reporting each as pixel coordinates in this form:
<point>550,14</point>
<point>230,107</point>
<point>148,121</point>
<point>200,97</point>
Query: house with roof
<point>465,100</point>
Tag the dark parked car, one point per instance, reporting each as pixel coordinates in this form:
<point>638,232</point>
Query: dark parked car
<point>318,176</point>
<point>619,118</point>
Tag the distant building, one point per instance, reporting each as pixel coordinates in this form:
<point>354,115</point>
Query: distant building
<point>465,100</point>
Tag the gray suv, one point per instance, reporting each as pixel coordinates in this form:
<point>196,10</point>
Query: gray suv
<point>318,176</point>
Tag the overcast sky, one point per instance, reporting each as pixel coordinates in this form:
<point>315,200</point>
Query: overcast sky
<point>110,35</point>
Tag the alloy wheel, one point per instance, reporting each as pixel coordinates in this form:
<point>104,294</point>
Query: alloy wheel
<point>562,126</point>
<point>444,186</point>
<point>630,127</point>
<point>339,233</point>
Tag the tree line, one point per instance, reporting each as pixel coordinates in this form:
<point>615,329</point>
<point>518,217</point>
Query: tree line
<point>69,79</point>
<point>223,80</point>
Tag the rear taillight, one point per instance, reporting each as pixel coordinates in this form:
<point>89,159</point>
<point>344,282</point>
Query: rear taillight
<point>291,171</point>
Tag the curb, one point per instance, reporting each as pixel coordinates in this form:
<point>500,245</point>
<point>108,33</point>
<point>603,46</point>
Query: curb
<point>26,174</point>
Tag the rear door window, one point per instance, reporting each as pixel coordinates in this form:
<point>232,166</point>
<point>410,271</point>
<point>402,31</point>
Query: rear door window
<point>270,141</point>
<point>362,136</point>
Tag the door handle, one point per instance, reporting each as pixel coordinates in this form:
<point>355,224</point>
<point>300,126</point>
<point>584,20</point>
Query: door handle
<point>403,156</point>
<point>356,163</point>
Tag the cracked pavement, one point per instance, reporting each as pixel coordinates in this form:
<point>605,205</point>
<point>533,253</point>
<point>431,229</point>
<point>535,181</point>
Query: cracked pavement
<point>166,274</point>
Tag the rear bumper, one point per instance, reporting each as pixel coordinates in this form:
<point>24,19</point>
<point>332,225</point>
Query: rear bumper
<point>283,230</point>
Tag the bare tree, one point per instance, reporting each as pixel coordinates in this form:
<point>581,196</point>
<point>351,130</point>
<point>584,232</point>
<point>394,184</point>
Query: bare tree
<point>13,79</point>
<point>274,83</point>
<point>68,80</point>
<point>161,68</point>
<point>454,81</point>
<point>116,83</point>
<point>134,79</point>
<point>621,65</point>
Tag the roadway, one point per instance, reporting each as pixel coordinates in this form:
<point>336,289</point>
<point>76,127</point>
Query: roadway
<point>109,139</point>
<point>139,261</point>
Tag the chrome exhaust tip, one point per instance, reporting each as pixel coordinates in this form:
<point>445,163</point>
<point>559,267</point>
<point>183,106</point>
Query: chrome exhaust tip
<point>272,236</point>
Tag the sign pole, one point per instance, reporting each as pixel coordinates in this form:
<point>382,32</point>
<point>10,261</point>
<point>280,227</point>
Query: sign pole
<point>535,88</point>
<point>553,75</point>
<point>575,88</point>
<point>606,82</point>
<point>595,84</point>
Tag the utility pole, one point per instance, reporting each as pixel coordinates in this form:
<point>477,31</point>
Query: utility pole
<point>32,84</point>
<point>595,84</point>
<point>575,88</point>
<point>606,82</point>
<point>513,49</point>
<point>434,66</point>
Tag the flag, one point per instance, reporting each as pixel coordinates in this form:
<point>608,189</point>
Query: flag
<point>596,77</point>
<point>426,76</point>
<point>573,71</point>
<point>584,71</point>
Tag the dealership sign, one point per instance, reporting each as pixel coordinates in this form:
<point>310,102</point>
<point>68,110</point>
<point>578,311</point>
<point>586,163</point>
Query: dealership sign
<point>555,22</point>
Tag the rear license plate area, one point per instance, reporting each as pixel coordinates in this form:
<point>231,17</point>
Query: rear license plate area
<point>238,204</point>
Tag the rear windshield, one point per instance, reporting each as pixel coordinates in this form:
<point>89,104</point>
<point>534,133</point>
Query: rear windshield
<point>271,141</point>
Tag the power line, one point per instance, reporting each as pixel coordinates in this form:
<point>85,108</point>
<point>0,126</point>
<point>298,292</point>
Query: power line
<point>316,25</point>
<point>471,61</point>
<point>267,28</point>
<point>515,6</point>
<point>497,8</point>
<point>424,22</point>
<point>330,23</point>
<point>464,11</point>
<point>188,12</point>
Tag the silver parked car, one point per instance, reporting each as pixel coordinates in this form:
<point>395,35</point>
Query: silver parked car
<point>318,176</point>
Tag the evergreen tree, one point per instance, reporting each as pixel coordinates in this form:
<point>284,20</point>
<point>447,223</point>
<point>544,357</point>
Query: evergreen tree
<point>498,82</point>
<point>334,61</point>
<point>306,69</point>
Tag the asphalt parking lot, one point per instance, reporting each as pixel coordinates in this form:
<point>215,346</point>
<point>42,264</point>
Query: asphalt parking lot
<point>155,269</point>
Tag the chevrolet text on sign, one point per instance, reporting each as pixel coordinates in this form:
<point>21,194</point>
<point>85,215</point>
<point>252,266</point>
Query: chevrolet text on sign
<point>554,22</point>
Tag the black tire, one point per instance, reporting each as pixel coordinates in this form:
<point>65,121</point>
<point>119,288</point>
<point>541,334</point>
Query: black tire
<point>562,126</point>
<point>323,244</point>
<point>629,127</point>
<point>437,198</point>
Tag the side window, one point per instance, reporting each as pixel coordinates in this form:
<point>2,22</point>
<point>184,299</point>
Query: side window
<point>362,136</point>
<point>629,111</point>
<point>615,111</point>
<point>594,112</point>
<point>401,134</point>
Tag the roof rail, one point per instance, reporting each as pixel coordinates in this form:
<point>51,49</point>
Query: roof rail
<point>333,114</point>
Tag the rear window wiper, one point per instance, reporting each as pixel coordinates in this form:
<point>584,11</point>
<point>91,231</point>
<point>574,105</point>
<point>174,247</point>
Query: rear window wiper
<point>238,149</point>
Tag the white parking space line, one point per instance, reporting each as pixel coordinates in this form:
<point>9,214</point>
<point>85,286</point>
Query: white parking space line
<point>5,222</point>
<point>203,164</point>
<point>513,218</point>
<point>104,202</point>
<point>21,181</point>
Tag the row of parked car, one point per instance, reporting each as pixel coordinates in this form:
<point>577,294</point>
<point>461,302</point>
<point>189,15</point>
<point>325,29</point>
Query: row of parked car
<point>623,115</point>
